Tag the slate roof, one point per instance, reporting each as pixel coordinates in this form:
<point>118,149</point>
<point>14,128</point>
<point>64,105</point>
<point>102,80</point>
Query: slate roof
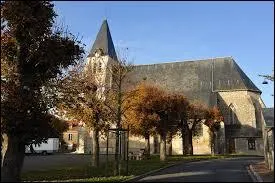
<point>104,41</point>
<point>268,114</point>
<point>198,79</point>
<point>194,78</point>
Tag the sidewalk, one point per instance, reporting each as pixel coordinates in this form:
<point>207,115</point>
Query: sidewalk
<point>261,172</point>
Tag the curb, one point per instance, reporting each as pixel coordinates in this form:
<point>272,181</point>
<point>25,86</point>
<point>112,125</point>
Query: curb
<point>134,179</point>
<point>254,175</point>
<point>138,177</point>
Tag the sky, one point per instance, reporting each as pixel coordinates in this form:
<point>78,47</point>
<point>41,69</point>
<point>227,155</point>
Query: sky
<point>165,31</point>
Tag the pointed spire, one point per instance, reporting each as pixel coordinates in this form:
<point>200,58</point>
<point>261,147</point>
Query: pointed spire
<point>104,41</point>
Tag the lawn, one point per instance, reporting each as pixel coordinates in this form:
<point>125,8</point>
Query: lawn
<point>105,171</point>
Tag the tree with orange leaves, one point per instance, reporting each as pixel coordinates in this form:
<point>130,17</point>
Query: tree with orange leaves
<point>140,117</point>
<point>165,106</point>
<point>195,116</point>
<point>153,111</point>
<point>212,120</point>
<point>178,115</point>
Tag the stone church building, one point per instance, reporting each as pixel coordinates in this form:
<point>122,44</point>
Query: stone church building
<point>214,81</point>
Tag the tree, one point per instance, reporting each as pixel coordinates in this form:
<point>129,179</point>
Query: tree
<point>139,116</point>
<point>81,102</point>
<point>195,117</point>
<point>181,105</point>
<point>165,106</point>
<point>116,95</point>
<point>213,118</point>
<point>34,53</point>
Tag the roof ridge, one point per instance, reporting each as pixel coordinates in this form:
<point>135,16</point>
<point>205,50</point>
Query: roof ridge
<point>198,60</point>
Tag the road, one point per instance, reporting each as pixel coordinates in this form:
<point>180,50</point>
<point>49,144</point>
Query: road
<point>224,170</point>
<point>40,162</point>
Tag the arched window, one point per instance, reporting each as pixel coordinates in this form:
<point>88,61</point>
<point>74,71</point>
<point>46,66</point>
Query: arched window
<point>94,68</point>
<point>99,67</point>
<point>232,115</point>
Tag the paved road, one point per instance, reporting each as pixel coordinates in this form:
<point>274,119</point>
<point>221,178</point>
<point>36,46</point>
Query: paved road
<point>40,162</point>
<point>226,170</point>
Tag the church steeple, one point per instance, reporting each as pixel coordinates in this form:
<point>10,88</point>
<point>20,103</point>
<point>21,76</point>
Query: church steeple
<point>104,41</point>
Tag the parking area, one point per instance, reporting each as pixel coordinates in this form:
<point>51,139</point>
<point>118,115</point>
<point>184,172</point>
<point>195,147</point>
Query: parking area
<point>40,162</point>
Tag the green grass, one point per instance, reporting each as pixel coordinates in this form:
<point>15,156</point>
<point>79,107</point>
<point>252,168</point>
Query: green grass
<point>105,172</point>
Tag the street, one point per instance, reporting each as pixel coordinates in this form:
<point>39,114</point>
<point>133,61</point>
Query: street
<point>224,170</point>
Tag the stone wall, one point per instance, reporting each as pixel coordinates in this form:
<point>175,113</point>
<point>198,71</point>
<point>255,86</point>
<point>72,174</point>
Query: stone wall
<point>242,146</point>
<point>245,111</point>
<point>249,121</point>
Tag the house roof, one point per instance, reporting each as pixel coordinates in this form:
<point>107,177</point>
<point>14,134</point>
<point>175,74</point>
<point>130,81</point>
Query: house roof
<point>104,41</point>
<point>194,78</point>
<point>268,114</point>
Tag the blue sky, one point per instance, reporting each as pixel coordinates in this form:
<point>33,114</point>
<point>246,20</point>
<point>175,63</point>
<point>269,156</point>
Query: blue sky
<point>156,32</point>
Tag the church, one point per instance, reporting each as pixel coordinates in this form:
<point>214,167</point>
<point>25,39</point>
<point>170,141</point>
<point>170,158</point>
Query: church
<point>214,81</point>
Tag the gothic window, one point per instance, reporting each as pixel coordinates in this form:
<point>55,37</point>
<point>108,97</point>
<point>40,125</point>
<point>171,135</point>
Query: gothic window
<point>99,67</point>
<point>232,115</point>
<point>94,68</point>
<point>251,144</point>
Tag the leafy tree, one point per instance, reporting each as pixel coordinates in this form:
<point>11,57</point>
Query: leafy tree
<point>139,116</point>
<point>195,117</point>
<point>181,105</point>
<point>165,107</point>
<point>117,95</point>
<point>213,118</point>
<point>33,53</point>
<point>81,102</point>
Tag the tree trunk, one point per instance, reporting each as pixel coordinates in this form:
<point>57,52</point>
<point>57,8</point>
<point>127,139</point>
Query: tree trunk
<point>184,135</point>
<point>117,154</point>
<point>147,147</point>
<point>156,144</point>
<point>169,145</point>
<point>118,115</point>
<point>95,156</point>
<point>13,159</point>
<point>184,145</point>
<point>163,147</point>
<point>190,142</point>
<point>212,141</point>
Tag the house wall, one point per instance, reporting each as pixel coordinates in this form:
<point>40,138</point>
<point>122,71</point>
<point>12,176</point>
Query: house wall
<point>74,137</point>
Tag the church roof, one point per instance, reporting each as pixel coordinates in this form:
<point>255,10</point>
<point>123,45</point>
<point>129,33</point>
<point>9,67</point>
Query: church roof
<point>104,41</point>
<point>196,79</point>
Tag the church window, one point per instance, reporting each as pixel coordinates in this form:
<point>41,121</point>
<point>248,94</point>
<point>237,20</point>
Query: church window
<point>94,68</point>
<point>70,136</point>
<point>99,66</point>
<point>251,144</point>
<point>232,115</point>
